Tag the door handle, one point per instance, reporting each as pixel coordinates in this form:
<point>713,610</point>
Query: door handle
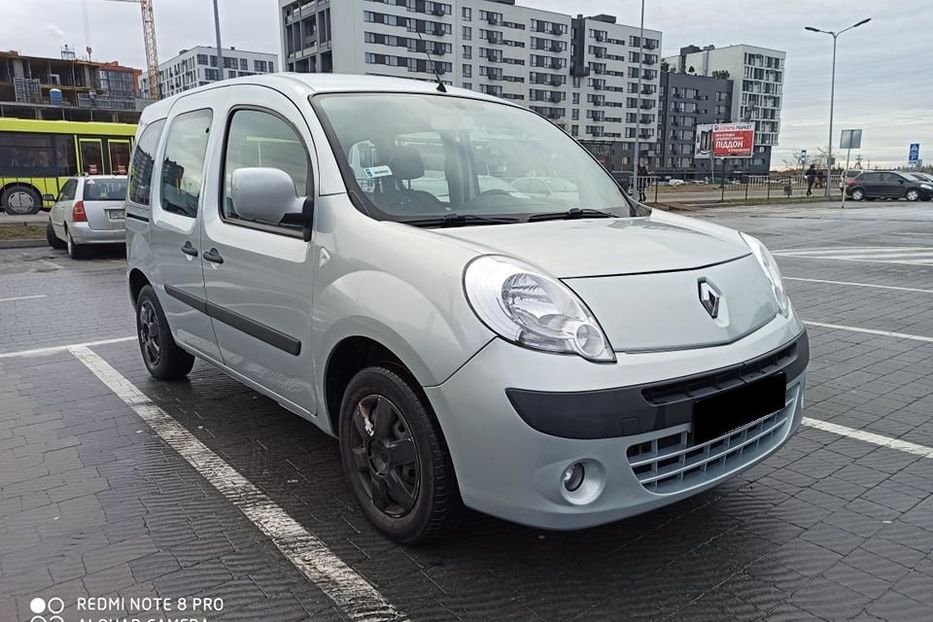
<point>213,256</point>
<point>189,249</point>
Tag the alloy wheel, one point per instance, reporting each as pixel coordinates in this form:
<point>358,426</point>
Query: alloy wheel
<point>150,333</point>
<point>384,456</point>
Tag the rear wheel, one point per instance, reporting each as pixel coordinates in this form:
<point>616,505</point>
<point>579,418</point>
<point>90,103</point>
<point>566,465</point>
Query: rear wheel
<point>53,239</point>
<point>21,200</point>
<point>395,458</point>
<point>913,194</point>
<point>858,194</point>
<point>162,356</point>
<point>75,250</point>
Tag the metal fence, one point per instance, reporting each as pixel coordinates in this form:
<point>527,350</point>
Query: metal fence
<point>767,187</point>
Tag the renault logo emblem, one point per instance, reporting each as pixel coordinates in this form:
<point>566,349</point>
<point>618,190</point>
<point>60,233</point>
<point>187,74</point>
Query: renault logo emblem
<point>709,298</point>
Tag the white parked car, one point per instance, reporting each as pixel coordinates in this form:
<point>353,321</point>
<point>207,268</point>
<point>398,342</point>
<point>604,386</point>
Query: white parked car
<point>675,182</point>
<point>560,362</point>
<point>88,211</point>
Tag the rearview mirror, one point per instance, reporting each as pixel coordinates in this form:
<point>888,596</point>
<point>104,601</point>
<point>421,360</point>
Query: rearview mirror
<point>267,195</point>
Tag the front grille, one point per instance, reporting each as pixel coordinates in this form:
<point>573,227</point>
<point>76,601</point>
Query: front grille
<point>670,462</point>
<point>707,384</point>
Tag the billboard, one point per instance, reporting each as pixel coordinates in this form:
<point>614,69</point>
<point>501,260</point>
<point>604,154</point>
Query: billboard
<point>725,140</point>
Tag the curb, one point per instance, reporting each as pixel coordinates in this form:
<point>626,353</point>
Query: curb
<point>23,243</point>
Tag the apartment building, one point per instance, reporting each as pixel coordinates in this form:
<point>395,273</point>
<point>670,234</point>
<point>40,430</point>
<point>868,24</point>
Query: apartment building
<point>580,72</point>
<point>758,77</point>
<point>687,101</point>
<point>198,66</point>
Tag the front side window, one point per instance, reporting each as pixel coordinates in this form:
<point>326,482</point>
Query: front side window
<point>430,156</point>
<point>262,139</point>
<point>183,164</point>
<point>140,178</point>
<point>68,190</point>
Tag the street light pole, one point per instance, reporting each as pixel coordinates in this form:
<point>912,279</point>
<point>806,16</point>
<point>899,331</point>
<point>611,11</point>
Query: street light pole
<point>641,43</point>
<point>220,52</point>
<point>832,96</point>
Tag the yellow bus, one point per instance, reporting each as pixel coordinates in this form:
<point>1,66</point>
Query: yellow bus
<point>36,157</point>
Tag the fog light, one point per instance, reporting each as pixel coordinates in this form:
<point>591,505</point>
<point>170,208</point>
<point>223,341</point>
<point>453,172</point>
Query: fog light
<point>573,476</point>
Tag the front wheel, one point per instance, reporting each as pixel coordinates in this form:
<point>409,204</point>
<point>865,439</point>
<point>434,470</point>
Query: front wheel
<point>913,194</point>
<point>858,194</point>
<point>162,356</point>
<point>53,239</point>
<point>395,458</point>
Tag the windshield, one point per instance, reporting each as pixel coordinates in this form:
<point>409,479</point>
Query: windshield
<point>105,189</point>
<point>425,156</point>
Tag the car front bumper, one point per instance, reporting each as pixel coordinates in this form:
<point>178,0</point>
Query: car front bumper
<point>507,468</point>
<point>82,233</point>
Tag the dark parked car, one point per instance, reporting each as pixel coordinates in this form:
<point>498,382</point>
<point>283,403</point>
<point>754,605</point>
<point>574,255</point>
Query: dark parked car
<point>888,185</point>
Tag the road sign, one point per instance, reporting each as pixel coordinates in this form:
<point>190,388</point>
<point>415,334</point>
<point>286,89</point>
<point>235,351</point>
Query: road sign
<point>725,140</point>
<point>851,139</point>
<point>914,153</point>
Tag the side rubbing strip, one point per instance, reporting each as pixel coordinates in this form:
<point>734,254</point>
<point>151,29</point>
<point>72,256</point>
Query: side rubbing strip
<point>262,332</point>
<point>251,327</point>
<point>188,299</point>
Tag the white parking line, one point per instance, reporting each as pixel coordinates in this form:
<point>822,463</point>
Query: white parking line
<point>903,255</point>
<point>870,437</point>
<point>872,285</point>
<point>356,597</point>
<point>22,298</point>
<point>872,331</point>
<point>54,349</point>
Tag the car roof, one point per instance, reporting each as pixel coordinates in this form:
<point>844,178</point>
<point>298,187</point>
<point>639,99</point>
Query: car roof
<point>93,177</point>
<point>315,83</point>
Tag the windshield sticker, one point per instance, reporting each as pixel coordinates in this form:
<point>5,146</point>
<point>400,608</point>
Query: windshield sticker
<point>374,172</point>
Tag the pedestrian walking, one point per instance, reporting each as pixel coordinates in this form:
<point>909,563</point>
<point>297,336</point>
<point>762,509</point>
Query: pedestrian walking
<point>811,178</point>
<point>643,182</point>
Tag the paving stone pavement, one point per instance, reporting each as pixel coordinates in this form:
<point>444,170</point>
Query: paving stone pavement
<point>94,503</point>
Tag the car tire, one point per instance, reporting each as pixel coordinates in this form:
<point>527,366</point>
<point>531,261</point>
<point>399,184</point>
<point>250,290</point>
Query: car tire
<point>20,200</point>
<point>75,250</point>
<point>858,194</point>
<point>163,358</point>
<point>912,195</point>
<point>395,458</point>
<point>53,239</point>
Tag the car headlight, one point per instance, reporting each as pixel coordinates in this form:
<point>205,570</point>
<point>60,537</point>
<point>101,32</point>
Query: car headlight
<point>526,307</point>
<point>926,186</point>
<point>769,265</point>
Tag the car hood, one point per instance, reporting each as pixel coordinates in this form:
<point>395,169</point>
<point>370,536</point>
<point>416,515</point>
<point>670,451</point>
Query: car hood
<point>661,242</point>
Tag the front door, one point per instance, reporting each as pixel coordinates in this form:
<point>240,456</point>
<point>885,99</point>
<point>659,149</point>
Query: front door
<point>257,275</point>
<point>174,233</point>
<point>92,156</point>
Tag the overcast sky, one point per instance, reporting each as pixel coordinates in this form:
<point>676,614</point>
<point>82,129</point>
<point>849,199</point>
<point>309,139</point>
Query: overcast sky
<point>883,82</point>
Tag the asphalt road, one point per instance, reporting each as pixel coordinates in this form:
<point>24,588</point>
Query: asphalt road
<point>113,484</point>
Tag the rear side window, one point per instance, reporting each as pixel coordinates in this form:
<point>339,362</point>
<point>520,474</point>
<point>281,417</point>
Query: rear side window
<point>141,165</point>
<point>183,165</point>
<point>257,138</point>
<point>105,190</point>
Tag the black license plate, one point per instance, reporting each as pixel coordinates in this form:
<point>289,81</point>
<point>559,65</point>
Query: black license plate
<point>722,413</point>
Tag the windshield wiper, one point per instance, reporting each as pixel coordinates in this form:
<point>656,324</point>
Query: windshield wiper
<point>458,220</point>
<point>571,214</point>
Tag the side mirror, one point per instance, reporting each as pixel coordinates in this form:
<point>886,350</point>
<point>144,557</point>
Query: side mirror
<point>267,195</point>
<point>48,198</point>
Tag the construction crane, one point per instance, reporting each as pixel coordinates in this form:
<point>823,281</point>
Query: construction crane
<point>152,53</point>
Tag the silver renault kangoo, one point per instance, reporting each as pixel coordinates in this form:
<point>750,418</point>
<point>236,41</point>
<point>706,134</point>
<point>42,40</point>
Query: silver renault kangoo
<point>558,359</point>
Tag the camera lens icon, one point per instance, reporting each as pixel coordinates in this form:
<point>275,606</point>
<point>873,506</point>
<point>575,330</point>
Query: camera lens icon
<point>40,606</point>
